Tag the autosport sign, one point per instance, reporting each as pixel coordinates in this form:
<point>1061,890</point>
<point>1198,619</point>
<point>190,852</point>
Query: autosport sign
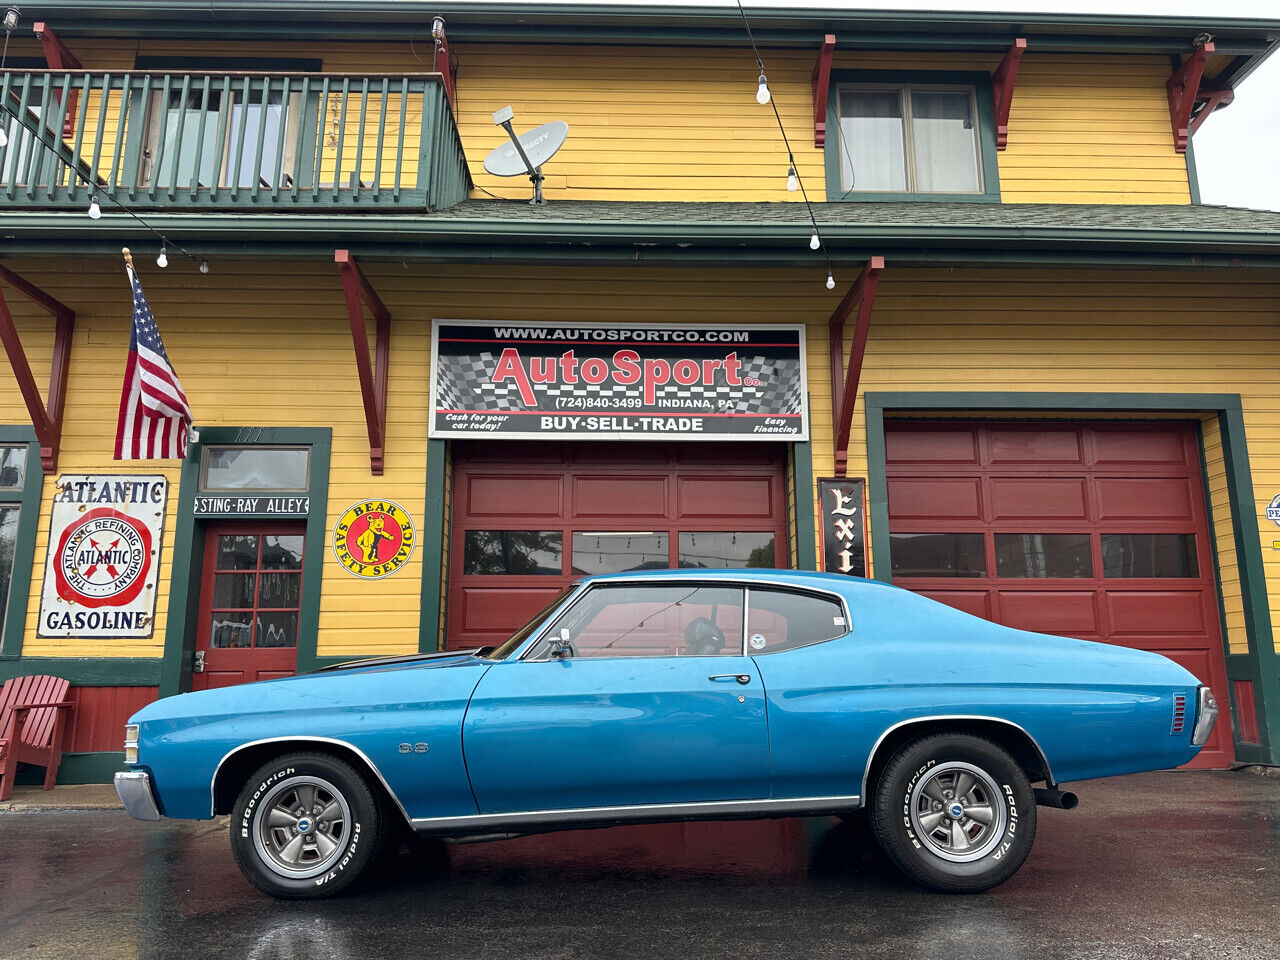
<point>104,548</point>
<point>618,382</point>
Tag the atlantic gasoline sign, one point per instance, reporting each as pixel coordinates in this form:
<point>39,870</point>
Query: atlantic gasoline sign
<point>373,538</point>
<point>618,382</point>
<point>104,553</point>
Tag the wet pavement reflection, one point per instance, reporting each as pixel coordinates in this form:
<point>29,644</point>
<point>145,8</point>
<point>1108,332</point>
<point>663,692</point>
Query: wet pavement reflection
<point>1160,865</point>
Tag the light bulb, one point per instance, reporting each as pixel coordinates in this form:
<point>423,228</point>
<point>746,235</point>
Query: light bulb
<point>814,242</point>
<point>762,91</point>
<point>831,281</point>
<point>793,183</point>
<point>204,266</point>
<point>95,211</point>
<point>162,261</point>
<point>4,138</point>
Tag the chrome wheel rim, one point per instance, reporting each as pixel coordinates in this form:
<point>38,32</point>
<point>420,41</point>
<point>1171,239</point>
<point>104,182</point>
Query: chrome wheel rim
<point>958,812</point>
<point>301,827</point>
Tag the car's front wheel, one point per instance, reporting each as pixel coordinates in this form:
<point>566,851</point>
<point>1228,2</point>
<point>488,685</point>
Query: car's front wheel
<point>955,812</point>
<point>305,826</point>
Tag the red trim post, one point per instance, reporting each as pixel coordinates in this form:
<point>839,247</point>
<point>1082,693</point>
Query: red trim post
<point>1212,100</point>
<point>373,382</point>
<point>46,419</point>
<point>821,81</point>
<point>446,70</point>
<point>1002,84</point>
<point>1184,89</point>
<point>844,379</point>
<point>58,57</point>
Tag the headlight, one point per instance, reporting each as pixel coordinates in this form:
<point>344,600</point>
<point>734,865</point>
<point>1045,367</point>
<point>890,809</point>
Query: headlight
<point>131,743</point>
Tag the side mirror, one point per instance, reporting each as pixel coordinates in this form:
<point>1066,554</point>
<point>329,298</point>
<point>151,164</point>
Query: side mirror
<point>561,648</point>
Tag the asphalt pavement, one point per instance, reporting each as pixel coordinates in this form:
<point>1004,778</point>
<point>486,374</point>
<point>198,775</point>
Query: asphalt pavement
<point>1168,865</point>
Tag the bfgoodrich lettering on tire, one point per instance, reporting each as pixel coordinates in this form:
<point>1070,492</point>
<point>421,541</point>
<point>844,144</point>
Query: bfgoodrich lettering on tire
<point>305,826</point>
<point>955,812</point>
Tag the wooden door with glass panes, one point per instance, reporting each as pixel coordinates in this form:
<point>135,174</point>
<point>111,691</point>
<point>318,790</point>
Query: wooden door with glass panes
<point>250,602</point>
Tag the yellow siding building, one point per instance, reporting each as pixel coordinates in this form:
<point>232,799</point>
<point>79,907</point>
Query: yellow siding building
<point>1061,414</point>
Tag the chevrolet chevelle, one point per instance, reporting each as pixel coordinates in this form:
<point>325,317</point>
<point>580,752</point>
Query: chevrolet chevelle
<point>674,695</point>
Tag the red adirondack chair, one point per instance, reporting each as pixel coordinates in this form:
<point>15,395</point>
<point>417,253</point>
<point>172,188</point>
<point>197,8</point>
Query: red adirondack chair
<point>33,716</point>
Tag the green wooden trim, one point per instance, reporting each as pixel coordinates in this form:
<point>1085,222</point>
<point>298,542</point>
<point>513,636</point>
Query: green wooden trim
<point>1193,177</point>
<point>24,549</point>
<point>433,558</point>
<point>806,557</point>
<point>228,64</point>
<point>188,548</point>
<point>1261,663</point>
<point>981,83</point>
<point>88,671</point>
<point>88,767</point>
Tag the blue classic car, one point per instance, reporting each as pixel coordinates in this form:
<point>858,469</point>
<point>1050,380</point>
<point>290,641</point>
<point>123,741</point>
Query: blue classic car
<point>674,695</point>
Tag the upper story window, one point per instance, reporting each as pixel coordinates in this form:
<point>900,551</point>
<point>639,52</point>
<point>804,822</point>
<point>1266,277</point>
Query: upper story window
<point>909,139</point>
<point>911,136</point>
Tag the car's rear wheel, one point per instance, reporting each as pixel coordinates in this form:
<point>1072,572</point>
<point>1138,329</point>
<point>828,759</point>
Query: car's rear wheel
<point>955,812</point>
<point>305,826</point>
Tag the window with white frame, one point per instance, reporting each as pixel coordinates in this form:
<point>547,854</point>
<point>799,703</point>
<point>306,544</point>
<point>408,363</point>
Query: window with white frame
<point>909,138</point>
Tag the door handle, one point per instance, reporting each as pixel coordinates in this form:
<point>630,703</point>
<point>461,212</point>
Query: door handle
<point>740,677</point>
<point>197,662</point>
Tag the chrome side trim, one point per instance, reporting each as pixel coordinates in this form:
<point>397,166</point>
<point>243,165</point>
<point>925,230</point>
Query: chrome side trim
<point>134,790</point>
<point>951,716</point>
<point>709,809</point>
<point>213,782</point>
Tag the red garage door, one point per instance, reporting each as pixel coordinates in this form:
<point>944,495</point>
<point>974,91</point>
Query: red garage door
<point>1096,531</point>
<point>528,518</point>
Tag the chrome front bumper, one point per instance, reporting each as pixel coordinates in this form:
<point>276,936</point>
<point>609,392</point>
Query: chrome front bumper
<point>134,788</point>
<point>1206,717</point>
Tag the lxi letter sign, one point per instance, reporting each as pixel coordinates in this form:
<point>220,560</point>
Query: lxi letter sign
<point>844,526</point>
<point>618,382</point>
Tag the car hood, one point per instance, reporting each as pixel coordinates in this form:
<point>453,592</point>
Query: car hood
<point>353,683</point>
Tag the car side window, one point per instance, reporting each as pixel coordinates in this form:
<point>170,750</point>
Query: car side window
<point>658,620</point>
<point>780,620</point>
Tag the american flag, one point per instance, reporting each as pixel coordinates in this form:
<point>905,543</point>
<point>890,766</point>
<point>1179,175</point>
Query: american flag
<point>154,416</point>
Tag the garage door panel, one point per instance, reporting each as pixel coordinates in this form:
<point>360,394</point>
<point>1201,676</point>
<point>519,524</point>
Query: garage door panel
<point>976,602</point>
<point>918,444</point>
<point>497,608</point>
<point>500,496</point>
<point>726,497</point>
<point>935,499</point>
<point>1042,498</point>
<point>1065,612</point>
<point>1147,498</point>
<point>1146,612</point>
<point>1128,445</point>
<point>607,497</point>
<point>1013,445</point>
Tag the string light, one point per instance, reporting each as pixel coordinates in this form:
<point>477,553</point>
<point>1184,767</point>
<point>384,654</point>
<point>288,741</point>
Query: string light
<point>95,211</point>
<point>162,261</point>
<point>763,96</point>
<point>204,266</point>
<point>762,90</point>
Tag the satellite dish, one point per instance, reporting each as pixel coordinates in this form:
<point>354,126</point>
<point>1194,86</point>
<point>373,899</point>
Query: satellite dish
<point>526,153</point>
<point>540,145</point>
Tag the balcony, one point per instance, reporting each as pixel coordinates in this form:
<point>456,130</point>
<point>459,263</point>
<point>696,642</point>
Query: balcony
<point>248,142</point>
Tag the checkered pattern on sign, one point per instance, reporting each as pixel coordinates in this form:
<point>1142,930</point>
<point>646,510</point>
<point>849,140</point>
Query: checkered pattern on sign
<point>464,383</point>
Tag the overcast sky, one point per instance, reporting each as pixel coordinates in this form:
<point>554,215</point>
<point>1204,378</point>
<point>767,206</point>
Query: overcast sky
<point>1237,149</point>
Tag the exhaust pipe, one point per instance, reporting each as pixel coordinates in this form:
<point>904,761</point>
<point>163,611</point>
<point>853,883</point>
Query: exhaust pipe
<point>1053,797</point>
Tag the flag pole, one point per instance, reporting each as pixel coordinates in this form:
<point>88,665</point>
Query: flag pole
<point>128,257</point>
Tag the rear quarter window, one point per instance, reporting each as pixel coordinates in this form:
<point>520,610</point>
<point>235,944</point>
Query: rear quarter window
<point>779,620</point>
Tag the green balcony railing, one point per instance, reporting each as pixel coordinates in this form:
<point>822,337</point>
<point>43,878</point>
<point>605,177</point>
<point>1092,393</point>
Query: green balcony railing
<point>273,141</point>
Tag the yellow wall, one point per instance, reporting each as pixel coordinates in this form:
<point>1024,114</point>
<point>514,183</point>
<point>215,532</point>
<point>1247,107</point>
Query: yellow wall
<point>680,123</point>
<point>268,344</point>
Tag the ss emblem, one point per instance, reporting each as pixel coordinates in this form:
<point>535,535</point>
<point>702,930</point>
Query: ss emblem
<point>413,748</point>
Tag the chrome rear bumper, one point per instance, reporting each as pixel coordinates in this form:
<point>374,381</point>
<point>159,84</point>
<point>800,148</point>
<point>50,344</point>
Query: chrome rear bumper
<point>134,788</point>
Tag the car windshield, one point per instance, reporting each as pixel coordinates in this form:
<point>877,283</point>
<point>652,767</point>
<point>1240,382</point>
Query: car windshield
<point>505,649</point>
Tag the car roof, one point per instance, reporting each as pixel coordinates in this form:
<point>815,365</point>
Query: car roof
<point>799,578</point>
